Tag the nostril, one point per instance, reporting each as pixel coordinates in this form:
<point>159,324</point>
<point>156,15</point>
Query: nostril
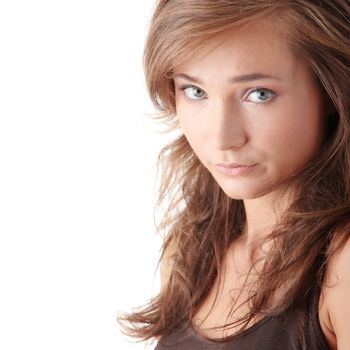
<point>229,138</point>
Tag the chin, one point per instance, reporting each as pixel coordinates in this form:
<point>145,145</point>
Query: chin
<point>251,192</point>
<point>244,195</point>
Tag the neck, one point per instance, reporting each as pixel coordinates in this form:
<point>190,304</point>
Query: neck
<point>262,215</point>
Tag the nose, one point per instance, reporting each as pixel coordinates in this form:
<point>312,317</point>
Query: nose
<point>226,129</point>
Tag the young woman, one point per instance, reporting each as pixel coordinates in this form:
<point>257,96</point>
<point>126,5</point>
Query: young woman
<point>257,186</point>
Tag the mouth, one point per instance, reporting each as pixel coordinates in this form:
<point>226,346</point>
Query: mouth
<point>233,165</point>
<point>234,169</point>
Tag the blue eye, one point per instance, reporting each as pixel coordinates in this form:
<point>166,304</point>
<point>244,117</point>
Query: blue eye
<point>262,95</point>
<point>193,92</point>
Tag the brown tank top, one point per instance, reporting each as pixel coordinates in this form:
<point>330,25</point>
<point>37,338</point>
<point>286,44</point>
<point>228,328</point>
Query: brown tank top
<point>270,333</point>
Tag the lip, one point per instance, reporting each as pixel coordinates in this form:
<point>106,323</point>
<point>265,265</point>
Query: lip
<point>235,169</point>
<point>233,165</point>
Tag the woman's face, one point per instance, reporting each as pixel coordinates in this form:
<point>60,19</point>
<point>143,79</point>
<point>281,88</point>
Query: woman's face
<point>251,111</point>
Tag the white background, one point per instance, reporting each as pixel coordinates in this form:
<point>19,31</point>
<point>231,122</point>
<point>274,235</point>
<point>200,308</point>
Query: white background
<point>77,171</point>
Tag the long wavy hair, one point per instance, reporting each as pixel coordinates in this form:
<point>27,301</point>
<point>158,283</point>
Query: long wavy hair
<point>200,221</point>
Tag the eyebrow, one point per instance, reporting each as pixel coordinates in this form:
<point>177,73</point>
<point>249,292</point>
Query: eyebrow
<point>237,79</point>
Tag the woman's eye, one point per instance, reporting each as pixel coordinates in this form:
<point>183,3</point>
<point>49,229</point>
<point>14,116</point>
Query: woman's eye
<point>261,95</point>
<point>194,92</point>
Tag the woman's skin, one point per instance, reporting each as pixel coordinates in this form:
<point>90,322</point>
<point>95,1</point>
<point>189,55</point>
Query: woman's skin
<point>249,101</point>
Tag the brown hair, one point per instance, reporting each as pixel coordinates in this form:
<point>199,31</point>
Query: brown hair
<point>200,220</point>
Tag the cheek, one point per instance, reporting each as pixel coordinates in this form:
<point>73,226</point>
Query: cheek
<point>193,128</point>
<point>296,138</point>
<point>194,135</point>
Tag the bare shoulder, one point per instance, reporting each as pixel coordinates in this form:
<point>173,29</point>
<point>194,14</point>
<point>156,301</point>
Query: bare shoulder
<point>334,307</point>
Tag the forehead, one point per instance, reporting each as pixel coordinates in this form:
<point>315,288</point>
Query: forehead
<point>258,47</point>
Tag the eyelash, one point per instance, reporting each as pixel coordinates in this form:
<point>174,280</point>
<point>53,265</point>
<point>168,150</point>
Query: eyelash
<point>184,87</point>
<point>259,88</point>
